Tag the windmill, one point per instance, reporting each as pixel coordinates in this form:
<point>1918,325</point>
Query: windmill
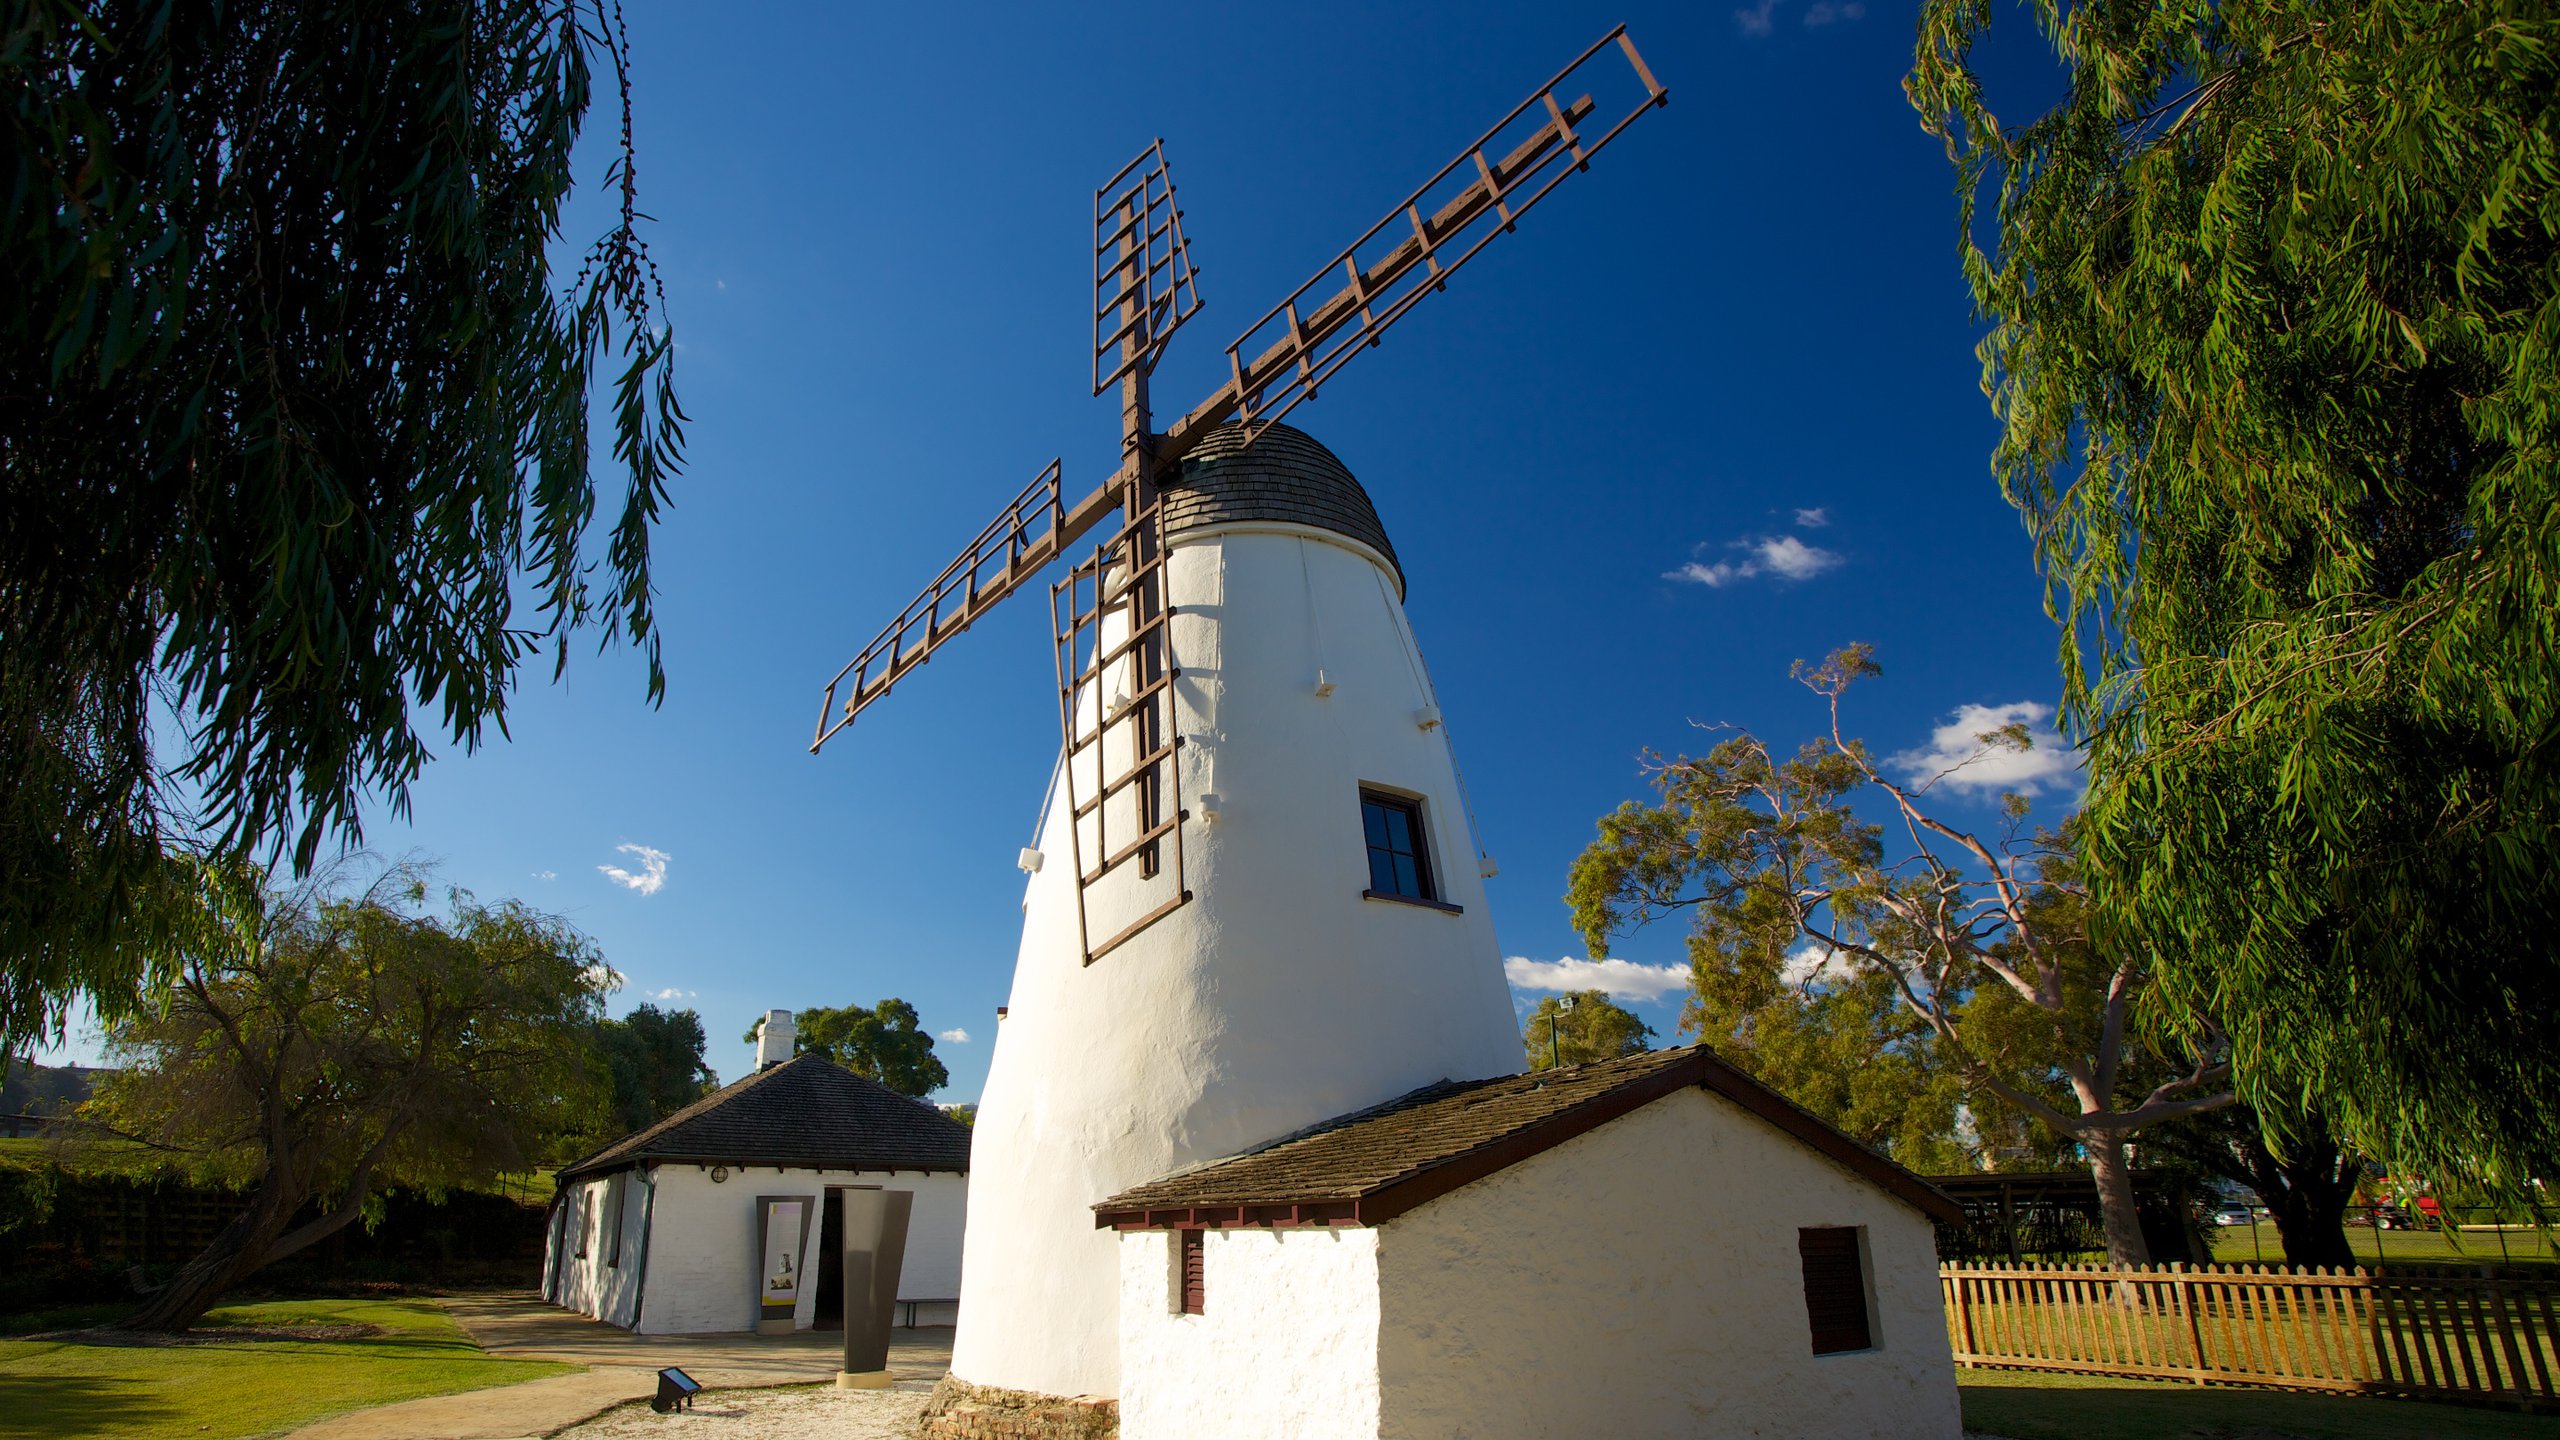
<point>1145,288</point>
<point>1235,632</point>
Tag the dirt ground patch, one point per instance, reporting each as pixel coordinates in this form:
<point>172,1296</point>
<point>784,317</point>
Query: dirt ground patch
<point>798,1412</point>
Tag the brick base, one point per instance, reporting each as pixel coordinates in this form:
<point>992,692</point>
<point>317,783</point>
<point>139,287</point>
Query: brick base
<point>962,1411</point>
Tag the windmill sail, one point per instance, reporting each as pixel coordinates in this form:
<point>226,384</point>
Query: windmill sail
<point>1348,304</point>
<point>1145,287</point>
<point>1020,542</point>
<point>1119,769</point>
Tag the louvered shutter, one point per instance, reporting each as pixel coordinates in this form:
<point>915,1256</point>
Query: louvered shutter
<point>1835,1288</point>
<point>1195,1274</point>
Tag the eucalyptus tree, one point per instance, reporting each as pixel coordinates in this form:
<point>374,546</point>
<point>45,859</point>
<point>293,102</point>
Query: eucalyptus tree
<point>1985,942</point>
<point>294,432</point>
<point>1580,1027</point>
<point>2272,295</point>
<point>316,1047</point>
<point>655,1059</point>
<point>886,1042</point>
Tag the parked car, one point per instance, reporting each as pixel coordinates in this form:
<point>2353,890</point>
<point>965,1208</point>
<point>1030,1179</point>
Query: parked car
<point>2234,1214</point>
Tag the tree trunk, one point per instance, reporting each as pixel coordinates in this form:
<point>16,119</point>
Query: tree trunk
<point>237,1249</point>
<point>254,1238</point>
<point>2307,1193</point>
<point>2126,1249</point>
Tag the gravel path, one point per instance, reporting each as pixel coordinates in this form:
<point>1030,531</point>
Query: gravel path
<point>796,1412</point>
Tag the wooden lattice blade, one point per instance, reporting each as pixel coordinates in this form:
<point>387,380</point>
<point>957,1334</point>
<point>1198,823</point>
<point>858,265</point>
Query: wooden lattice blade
<point>1021,542</point>
<point>1349,303</point>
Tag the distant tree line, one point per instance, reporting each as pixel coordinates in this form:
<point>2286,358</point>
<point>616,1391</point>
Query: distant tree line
<point>27,1088</point>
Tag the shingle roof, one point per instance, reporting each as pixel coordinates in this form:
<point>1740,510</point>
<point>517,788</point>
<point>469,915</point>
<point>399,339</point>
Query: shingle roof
<point>1372,1165</point>
<point>1285,475</point>
<point>806,1111</point>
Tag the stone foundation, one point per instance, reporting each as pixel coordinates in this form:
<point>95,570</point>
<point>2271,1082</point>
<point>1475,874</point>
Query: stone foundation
<point>962,1411</point>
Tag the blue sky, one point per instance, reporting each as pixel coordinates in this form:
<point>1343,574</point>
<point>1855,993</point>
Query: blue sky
<point>1713,408</point>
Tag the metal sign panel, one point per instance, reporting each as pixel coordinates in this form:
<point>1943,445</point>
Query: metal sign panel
<point>875,1251</point>
<point>782,1251</point>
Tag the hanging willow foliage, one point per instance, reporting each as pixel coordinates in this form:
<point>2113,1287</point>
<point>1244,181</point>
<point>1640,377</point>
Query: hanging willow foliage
<point>2273,297</point>
<point>291,401</point>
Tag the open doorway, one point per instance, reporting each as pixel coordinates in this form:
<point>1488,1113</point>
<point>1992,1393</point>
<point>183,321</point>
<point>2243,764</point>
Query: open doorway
<point>830,1314</point>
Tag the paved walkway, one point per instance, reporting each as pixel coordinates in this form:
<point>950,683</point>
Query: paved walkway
<point>623,1367</point>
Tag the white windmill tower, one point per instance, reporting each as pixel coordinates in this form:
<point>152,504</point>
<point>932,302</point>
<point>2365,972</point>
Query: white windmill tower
<point>1254,903</point>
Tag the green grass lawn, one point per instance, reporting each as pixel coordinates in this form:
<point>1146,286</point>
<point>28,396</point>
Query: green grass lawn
<point>2021,1405</point>
<point>2523,1248</point>
<point>226,1390</point>
<point>86,1157</point>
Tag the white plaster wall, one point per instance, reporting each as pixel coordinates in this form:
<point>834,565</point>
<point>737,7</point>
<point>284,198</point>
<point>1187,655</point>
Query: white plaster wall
<point>1277,998</point>
<point>1285,1346</point>
<point>1643,1280</point>
<point>590,1284</point>
<point>700,1274</point>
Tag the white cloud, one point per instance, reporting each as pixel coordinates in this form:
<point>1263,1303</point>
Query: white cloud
<point>1623,978</point>
<point>1794,559</point>
<point>546,874</point>
<point>1719,574</point>
<point>1831,12</point>
<point>672,993</point>
<point>955,1035</point>
<point>1755,21</point>
<point>1813,519</point>
<point>1968,753</point>
<point>1816,963</point>
<point>652,875</point>
<point>1784,556</point>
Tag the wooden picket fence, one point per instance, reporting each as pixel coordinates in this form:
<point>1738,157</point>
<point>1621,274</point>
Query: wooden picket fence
<point>2446,1337</point>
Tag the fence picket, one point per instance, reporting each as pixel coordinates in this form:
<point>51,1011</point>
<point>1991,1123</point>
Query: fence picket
<point>2291,1343</point>
<point>2497,1298</point>
<point>2461,1313</point>
<point>2332,1329</point>
<point>2419,1323</point>
<point>2195,1329</point>
<point>2537,1345</point>
<point>2236,1319</point>
<point>2337,1359</point>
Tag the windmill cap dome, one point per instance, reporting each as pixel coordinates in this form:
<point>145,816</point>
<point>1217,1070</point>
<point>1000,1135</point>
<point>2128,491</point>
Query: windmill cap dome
<point>1286,476</point>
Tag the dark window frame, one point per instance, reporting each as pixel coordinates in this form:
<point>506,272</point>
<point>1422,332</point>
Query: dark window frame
<point>616,1195</point>
<point>1378,845</point>
<point>1838,1312</point>
<point>1191,1271</point>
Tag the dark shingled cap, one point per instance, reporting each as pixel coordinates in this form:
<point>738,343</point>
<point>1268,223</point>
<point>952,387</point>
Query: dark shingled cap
<point>808,1111</point>
<point>1286,475</point>
<point>1373,1165</point>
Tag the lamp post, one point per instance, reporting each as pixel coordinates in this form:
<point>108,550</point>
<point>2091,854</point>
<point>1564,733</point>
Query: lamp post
<point>1555,1025</point>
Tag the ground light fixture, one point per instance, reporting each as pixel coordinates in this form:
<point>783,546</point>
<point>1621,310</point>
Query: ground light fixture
<point>676,1390</point>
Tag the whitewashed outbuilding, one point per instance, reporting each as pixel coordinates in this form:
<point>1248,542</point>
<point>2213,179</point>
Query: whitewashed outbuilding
<point>664,1231</point>
<point>1653,1246</point>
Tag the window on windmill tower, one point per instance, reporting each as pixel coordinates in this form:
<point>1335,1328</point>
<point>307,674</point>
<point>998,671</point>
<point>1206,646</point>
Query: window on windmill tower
<point>1835,1287</point>
<point>1399,861</point>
